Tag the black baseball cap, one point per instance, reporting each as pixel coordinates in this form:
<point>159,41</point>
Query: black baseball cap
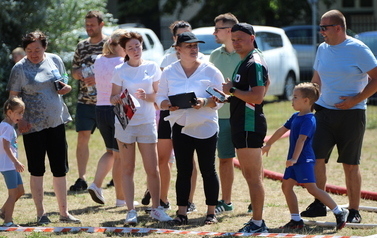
<point>187,37</point>
<point>245,27</point>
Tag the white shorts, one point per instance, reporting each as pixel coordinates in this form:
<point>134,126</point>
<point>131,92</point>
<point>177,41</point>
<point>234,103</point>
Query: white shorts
<point>145,133</point>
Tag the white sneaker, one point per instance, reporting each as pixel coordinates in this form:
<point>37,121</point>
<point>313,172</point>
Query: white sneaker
<point>159,214</point>
<point>131,218</point>
<point>96,194</point>
<point>122,203</point>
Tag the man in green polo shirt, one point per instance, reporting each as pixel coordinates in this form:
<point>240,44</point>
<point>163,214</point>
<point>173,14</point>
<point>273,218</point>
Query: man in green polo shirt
<point>226,60</point>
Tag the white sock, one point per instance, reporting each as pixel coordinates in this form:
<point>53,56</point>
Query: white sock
<point>295,217</point>
<point>257,222</point>
<point>337,210</point>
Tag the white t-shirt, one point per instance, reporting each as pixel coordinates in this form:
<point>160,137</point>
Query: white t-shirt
<point>201,123</point>
<point>8,133</point>
<point>134,78</point>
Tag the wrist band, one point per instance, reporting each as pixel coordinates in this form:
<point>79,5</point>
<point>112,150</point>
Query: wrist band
<point>205,102</point>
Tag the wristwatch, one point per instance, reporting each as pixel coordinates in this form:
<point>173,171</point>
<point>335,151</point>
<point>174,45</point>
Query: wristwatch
<point>231,91</point>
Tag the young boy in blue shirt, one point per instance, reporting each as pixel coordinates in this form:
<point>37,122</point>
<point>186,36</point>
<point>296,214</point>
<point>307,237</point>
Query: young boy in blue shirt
<point>301,159</point>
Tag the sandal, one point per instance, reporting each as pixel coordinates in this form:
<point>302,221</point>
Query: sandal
<point>210,219</point>
<point>179,220</point>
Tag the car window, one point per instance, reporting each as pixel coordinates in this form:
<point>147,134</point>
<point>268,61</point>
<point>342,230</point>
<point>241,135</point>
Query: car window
<point>301,36</point>
<point>209,45</point>
<point>370,41</point>
<point>268,40</point>
<point>151,42</point>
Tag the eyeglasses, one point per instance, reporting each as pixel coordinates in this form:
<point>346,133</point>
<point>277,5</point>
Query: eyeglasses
<point>324,27</point>
<point>220,28</point>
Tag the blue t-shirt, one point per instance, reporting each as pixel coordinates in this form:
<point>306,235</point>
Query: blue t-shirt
<point>343,71</point>
<point>301,125</point>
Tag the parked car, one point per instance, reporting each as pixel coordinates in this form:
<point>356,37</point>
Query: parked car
<point>152,47</point>
<point>370,39</point>
<point>301,37</point>
<point>278,52</point>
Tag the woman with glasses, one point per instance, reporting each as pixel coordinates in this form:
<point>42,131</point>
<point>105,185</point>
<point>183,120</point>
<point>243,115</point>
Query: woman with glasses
<point>195,128</point>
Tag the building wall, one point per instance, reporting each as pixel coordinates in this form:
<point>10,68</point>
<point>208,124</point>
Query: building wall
<point>361,15</point>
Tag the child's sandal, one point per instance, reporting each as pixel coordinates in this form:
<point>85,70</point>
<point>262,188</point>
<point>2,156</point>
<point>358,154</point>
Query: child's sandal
<point>210,219</point>
<point>179,220</point>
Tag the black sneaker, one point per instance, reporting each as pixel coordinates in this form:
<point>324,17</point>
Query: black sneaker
<point>43,220</point>
<point>191,207</point>
<point>147,198</point>
<point>166,206</point>
<point>293,225</point>
<point>80,185</point>
<point>110,184</point>
<point>250,227</point>
<point>341,219</point>
<point>354,216</point>
<point>316,209</point>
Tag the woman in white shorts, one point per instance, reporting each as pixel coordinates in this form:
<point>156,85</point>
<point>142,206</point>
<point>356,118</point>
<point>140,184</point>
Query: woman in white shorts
<point>140,78</point>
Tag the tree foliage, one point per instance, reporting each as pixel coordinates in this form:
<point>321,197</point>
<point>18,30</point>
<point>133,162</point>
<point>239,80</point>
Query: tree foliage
<point>259,12</point>
<point>57,18</point>
<point>145,12</point>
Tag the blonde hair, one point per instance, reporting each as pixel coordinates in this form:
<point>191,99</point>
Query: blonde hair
<point>309,90</point>
<point>12,104</point>
<point>19,51</point>
<point>108,46</point>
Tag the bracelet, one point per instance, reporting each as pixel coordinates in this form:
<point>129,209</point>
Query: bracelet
<point>205,102</point>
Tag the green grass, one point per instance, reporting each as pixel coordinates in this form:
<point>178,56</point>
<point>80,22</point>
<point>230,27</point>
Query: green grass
<point>275,211</point>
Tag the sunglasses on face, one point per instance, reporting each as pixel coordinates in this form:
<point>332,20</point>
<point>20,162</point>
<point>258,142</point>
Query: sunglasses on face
<point>221,28</point>
<point>324,27</point>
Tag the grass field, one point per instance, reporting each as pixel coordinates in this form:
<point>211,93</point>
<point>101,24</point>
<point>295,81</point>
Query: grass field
<point>275,211</point>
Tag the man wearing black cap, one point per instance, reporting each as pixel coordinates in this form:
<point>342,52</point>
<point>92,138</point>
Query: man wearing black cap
<point>247,89</point>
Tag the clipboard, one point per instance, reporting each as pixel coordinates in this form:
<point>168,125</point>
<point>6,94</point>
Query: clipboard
<point>183,100</point>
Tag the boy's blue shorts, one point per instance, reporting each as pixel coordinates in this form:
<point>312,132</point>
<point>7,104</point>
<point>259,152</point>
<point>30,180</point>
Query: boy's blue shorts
<point>302,173</point>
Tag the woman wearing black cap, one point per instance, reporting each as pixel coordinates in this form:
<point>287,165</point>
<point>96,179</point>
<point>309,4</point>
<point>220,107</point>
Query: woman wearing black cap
<point>195,128</point>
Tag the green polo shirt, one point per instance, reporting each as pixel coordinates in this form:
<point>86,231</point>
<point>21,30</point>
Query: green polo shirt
<point>226,63</point>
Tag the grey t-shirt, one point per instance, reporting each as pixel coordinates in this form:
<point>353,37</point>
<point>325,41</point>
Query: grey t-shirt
<point>44,107</point>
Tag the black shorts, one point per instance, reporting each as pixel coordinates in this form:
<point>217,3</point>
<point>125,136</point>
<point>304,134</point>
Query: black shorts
<point>51,141</point>
<point>343,128</point>
<point>105,122</point>
<point>247,139</point>
<point>164,129</point>
<point>85,117</point>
